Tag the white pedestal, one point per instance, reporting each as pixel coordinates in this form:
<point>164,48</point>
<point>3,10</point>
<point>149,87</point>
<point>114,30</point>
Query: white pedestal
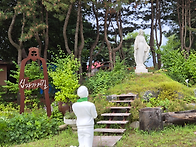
<point>141,69</point>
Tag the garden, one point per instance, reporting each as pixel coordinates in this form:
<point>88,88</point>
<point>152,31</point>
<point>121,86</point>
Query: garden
<point>35,128</point>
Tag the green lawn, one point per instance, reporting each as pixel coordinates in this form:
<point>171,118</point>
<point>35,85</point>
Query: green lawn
<point>172,136</point>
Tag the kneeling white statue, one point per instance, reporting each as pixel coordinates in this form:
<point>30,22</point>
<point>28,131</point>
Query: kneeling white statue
<point>141,52</point>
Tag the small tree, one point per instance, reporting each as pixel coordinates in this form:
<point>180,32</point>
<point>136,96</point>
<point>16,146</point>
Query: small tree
<point>65,77</point>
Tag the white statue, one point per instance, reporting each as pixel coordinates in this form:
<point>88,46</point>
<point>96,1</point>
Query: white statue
<point>141,52</point>
<point>86,113</point>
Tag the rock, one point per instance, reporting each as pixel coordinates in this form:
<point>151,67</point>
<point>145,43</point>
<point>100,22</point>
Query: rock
<point>62,127</point>
<point>111,97</point>
<point>134,124</point>
<point>149,94</point>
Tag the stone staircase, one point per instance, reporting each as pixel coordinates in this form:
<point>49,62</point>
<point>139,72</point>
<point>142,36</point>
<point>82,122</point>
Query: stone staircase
<point>119,116</point>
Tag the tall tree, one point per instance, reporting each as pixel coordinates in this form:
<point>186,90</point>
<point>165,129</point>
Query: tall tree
<point>158,26</point>
<point>30,14</point>
<point>185,21</point>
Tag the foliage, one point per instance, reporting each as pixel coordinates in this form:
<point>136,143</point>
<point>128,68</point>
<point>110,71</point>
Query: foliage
<point>70,115</point>
<point>136,105</point>
<point>101,103</point>
<point>169,90</point>
<point>28,127</point>
<point>103,80</point>
<point>7,111</point>
<point>173,61</point>
<point>55,112</point>
<point>64,138</point>
<point>190,67</point>
<point>65,77</point>
<point>178,68</point>
<point>169,105</point>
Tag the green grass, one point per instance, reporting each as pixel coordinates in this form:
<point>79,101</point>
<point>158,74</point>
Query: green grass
<point>65,138</point>
<point>138,84</point>
<point>176,136</point>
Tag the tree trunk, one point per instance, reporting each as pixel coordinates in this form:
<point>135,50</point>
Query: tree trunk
<point>106,39</point>
<point>96,41</point>
<point>181,117</point>
<point>17,46</point>
<point>65,28</point>
<point>152,36</point>
<point>77,30</point>
<point>81,44</point>
<point>184,16</point>
<point>158,27</point>
<point>150,119</point>
<point>46,38</point>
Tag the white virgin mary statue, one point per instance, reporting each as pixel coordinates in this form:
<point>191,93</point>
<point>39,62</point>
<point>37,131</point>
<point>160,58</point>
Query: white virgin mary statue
<point>141,52</point>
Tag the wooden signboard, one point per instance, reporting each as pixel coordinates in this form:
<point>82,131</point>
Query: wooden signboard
<point>42,83</point>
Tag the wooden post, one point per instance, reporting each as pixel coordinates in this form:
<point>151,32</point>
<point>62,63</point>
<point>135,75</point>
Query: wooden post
<point>150,119</point>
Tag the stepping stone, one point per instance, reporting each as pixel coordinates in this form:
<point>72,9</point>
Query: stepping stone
<point>105,141</point>
<point>107,130</point>
<point>113,122</point>
<point>115,114</point>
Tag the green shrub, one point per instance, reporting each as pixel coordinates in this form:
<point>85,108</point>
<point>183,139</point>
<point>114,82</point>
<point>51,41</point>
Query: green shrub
<point>178,67</point>
<point>103,80</point>
<point>8,111</point>
<point>65,77</point>
<point>190,67</point>
<point>29,126</point>
<point>55,112</point>
<point>101,103</point>
<point>136,105</point>
<point>169,90</point>
<point>3,133</point>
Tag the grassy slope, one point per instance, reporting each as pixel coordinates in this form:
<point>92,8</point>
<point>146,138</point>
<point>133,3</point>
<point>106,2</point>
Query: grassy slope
<point>138,84</point>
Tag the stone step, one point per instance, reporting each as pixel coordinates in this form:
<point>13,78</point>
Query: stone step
<point>117,108</point>
<point>108,130</point>
<point>115,114</point>
<point>103,141</point>
<point>123,122</point>
<point>121,101</point>
<point>127,96</point>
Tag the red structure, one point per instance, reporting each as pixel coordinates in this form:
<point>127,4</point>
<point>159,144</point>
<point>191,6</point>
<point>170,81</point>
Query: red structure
<point>42,83</point>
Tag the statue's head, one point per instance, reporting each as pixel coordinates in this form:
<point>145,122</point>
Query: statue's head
<point>82,91</point>
<point>141,32</point>
<point>33,53</point>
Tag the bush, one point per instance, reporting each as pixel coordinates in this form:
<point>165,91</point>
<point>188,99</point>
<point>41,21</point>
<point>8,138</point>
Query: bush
<point>169,90</point>
<point>136,105</point>
<point>103,80</point>
<point>65,77</point>
<point>7,111</point>
<point>178,67</point>
<point>3,133</point>
<point>101,103</point>
<point>27,127</point>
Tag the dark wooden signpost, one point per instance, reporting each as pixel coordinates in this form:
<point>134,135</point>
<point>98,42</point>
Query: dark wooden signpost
<point>42,83</point>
